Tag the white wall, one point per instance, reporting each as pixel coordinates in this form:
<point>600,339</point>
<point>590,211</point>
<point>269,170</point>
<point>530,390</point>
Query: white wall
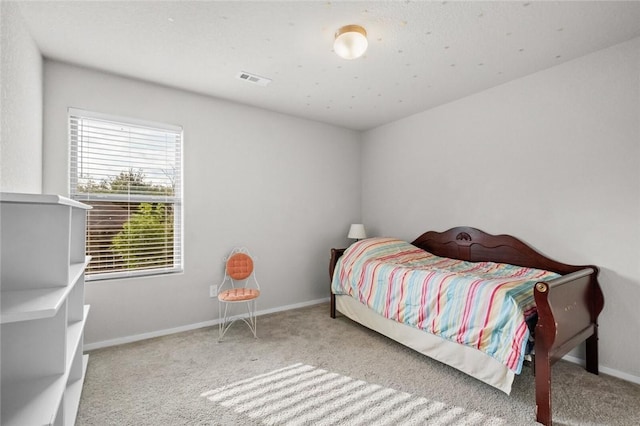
<point>552,158</point>
<point>284,187</point>
<point>21,106</point>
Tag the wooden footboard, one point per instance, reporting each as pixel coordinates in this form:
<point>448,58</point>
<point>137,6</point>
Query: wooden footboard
<point>568,307</point>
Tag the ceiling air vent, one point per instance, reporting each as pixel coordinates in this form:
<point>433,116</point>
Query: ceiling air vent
<point>252,78</point>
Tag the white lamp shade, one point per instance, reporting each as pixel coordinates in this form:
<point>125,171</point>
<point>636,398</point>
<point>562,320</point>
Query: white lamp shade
<point>357,231</point>
<point>351,42</point>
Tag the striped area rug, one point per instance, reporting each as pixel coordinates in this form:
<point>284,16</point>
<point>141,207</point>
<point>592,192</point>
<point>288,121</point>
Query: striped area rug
<point>302,394</point>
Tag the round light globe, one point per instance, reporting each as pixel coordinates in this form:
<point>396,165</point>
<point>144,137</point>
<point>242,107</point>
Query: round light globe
<point>351,42</point>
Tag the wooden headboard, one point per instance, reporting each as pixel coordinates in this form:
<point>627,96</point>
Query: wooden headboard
<point>474,245</point>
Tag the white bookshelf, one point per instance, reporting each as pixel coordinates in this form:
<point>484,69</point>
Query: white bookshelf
<point>42,311</point>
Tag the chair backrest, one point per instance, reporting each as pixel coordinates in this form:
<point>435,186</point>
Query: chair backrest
<point>239,266</point>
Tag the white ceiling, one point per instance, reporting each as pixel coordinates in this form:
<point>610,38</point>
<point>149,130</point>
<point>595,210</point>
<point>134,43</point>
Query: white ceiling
<point>421,54</point>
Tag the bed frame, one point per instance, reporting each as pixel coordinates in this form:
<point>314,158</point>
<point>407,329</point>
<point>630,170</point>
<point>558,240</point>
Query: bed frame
<point>568,307</point>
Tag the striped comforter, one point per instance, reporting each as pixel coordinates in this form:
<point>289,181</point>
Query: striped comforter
<point>479,304</point>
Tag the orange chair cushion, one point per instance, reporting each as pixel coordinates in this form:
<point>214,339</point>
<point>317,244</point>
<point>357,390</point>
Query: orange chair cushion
<point>239,266</point>
<point>239,294</point>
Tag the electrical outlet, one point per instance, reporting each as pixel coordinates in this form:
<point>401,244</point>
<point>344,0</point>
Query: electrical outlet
<point>213,290</point>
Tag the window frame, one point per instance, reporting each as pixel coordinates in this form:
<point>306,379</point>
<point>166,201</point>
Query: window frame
<point>176,200</point>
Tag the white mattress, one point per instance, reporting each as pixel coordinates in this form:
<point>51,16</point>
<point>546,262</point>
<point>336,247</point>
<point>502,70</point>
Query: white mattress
<point>464,358</point>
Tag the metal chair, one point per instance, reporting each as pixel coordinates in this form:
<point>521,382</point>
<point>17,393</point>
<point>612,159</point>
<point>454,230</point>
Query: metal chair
<point>243,287</point>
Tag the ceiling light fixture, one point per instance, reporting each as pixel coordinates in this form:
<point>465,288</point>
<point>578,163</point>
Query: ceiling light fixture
<point>351,42</point>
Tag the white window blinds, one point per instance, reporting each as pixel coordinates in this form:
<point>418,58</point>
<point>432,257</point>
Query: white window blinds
<point>131,173</point>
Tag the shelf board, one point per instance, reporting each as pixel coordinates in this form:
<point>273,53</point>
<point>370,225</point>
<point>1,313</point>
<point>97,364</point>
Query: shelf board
<point>74,336</point>
<point>23,305</point>
<point>72,396</point>
<point>14,197</point>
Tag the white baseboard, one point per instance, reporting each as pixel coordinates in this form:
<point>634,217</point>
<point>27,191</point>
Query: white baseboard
<point>606,370</point>
<point>152,334</point>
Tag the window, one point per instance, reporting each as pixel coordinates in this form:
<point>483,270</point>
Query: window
<point>130,172</point>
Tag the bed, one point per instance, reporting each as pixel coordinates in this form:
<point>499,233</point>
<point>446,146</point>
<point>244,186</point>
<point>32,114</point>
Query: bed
<point>400,289</point>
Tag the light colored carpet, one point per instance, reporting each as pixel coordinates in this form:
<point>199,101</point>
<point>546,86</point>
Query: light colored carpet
<point>301,394</point>
<point>306,368</point>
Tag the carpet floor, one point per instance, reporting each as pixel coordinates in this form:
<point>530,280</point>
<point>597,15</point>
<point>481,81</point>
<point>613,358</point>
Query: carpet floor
<point>306,369</point>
